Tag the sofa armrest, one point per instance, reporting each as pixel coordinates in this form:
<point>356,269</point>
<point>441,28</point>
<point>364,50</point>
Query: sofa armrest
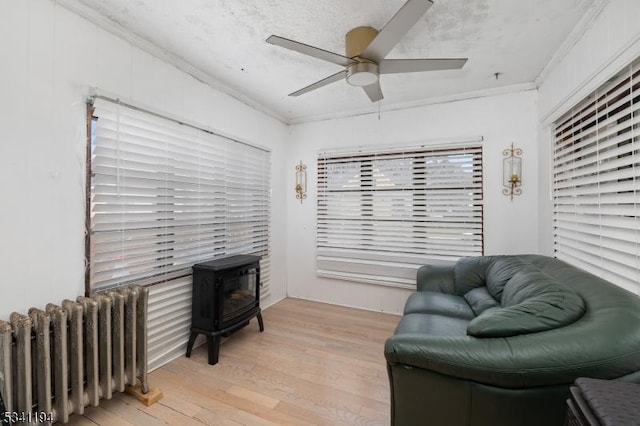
<point>435,278</point>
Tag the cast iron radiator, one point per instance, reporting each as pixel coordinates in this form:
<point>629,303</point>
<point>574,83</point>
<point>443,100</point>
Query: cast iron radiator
<point>67,357</point>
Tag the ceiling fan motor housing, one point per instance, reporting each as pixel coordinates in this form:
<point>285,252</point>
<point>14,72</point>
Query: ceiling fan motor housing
<point>357,40</point>
<point>365,72</point>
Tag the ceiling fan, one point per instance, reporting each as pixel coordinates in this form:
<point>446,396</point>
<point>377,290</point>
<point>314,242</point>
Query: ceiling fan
<point>365,51</point>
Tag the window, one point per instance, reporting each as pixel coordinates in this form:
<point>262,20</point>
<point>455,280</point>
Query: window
<point>383,214</point>
<point>165,195</point>
<point>596,181</point>
<point>162,196</point>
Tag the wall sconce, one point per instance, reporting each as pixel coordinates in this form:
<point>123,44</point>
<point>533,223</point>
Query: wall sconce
<point>301,181</point>
<point>512,171</point>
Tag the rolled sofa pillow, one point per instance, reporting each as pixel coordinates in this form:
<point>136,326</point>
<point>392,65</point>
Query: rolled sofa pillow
<point>531,302</point>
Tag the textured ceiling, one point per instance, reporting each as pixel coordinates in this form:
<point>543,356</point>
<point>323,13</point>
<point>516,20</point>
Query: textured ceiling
<point>225,41</point>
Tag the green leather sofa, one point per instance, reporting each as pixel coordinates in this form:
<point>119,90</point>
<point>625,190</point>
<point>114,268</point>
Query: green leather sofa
<point>497,340</point>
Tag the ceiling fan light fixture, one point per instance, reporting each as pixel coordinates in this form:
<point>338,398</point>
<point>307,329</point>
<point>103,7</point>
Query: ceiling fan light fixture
<point>362,74</point>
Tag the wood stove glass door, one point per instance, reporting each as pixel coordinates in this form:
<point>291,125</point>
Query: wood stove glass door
<point>239,293</point>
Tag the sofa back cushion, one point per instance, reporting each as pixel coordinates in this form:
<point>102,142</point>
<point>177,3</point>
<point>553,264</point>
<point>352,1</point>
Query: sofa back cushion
<point>470,273</point>
<point>531,302</point>
<point>500,271</point>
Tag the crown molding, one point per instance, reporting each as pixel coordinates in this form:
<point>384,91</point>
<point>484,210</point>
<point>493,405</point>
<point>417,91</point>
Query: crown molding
<point>113,27</point>
<point>118,30</point>
<point>515,88</point>
<point>623,57</point>
<point>574,36</point>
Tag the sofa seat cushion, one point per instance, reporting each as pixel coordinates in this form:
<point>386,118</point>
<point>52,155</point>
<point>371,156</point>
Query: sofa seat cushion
<point>431,302</point>
<point>432,324</point>
<point>531,302</point>
<point>479,299</point>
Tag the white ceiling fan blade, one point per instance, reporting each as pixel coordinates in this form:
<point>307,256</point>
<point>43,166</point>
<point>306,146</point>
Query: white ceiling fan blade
<point>310,50</point>
<point>392,66</point>
<point>408,15</point>
<point>318,84</point>
<point>373,91</point>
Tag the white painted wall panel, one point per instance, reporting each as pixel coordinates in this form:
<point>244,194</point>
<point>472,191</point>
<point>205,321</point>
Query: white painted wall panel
<point>51,58</point>
<point>510,227</point>
<point>608,44</point>
<point>169,321</point>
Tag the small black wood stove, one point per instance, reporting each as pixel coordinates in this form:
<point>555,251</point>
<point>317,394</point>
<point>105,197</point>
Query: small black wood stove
<point>226,295</point>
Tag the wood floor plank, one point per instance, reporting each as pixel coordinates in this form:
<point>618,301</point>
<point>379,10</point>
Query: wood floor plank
<point>215,400</point>
<point>252,396</point>
<point>128,409</point>
<point>169,409</point>
<point>323,371</point>
<point>315,364</point>
<point>80,421</point>
<point>101,416</point>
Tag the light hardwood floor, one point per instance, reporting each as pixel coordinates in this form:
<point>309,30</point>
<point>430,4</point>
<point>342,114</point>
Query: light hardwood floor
<point>314,364</point>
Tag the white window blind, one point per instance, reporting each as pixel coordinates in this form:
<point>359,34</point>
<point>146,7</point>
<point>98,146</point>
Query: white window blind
<point>596,181</point>
<point>165,195</point>
<point>381,215</point>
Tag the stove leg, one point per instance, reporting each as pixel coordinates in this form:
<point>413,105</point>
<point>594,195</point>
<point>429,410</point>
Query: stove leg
<point>192,338</point>
<point>260,323</point>
<point>213,346</point>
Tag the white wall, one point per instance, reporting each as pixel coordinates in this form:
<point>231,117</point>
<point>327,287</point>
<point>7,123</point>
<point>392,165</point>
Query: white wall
<point>50,58</point>
<point>510,227</point>
<point>611,42</point>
